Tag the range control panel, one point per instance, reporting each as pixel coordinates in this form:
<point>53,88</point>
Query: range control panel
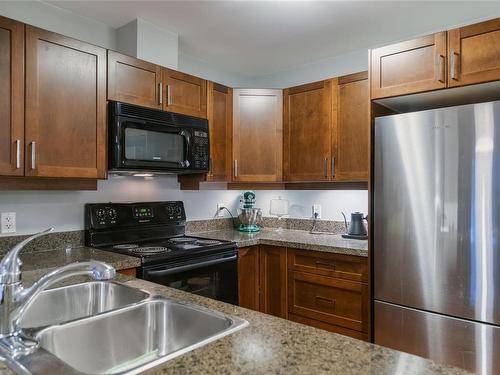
<point>109,215</point>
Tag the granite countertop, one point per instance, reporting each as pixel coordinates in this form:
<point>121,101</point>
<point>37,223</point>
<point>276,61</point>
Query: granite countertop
<point>300,239</point>
<point>269,345</point>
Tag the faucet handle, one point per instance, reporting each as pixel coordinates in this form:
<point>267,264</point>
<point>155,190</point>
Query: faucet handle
<point>10,266</point>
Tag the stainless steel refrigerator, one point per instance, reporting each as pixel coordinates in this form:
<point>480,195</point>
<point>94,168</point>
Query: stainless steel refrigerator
<point>436,253</point>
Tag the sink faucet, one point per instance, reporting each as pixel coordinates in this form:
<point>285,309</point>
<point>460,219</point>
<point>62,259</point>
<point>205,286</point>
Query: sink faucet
<point>15,299</point>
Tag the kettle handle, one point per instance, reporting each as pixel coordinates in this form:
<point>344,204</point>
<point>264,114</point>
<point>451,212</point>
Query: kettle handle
<point>345,221</point>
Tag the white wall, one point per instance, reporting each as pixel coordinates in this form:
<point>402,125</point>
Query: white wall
<point>64,209</point>
<point>60,21</point>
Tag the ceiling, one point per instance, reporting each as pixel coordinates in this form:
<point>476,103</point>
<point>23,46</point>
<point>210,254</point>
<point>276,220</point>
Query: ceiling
<point>260,38</point>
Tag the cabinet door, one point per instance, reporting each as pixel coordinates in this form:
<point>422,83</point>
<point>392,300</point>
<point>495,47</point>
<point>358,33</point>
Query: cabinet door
<point>184,93</point>
<point>12,97</point>
<point>273,280</point>
<point>408,67</point>
<point>248,277</point>
<point>307,131</point>
<point>257,135</point>
<point>133,81</point>
<point>65,106</point>
<point>220,118</point>
<point>350,159</point>
<point>474,53</point>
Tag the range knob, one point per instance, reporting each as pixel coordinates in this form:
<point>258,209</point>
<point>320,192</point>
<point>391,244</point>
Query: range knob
<point>100,214</point>
<point>170,210</point>
<point>178,210</point>
<point>111,213</point>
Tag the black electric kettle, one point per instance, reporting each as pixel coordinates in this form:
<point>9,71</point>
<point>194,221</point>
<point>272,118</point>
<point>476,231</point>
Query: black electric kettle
<point>356,228</point>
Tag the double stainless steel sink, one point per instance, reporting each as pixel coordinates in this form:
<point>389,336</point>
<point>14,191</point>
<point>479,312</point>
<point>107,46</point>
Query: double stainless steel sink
<point>110,328</point>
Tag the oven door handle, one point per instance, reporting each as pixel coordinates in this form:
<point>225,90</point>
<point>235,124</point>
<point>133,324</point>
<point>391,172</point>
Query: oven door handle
<point>189,267</point>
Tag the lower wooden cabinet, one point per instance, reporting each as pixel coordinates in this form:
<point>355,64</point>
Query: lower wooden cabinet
<point>323,290</point>
<point>248,277</point>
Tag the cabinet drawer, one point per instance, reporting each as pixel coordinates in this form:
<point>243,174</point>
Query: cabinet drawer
<point>328,327</point>
<point>327,299</point>
<point>347,267</point>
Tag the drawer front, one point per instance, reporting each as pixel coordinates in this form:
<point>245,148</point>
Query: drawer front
<point>329,327</point>
<point>327,299</point>
<point>346,267</point>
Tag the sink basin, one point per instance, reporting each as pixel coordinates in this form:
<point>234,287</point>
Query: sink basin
<point>77,301</point>
<point>137,337</point>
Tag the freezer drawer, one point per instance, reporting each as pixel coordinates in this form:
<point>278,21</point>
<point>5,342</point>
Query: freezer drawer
<point>461,343</point>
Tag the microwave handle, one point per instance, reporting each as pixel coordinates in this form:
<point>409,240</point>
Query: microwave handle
<point>190,267</point>
<point>186,135</point>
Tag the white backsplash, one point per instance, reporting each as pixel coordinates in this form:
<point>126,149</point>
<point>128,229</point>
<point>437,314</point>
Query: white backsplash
<point>64,209</point>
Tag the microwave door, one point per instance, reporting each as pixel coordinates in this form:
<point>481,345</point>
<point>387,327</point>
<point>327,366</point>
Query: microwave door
<point>146,145</point>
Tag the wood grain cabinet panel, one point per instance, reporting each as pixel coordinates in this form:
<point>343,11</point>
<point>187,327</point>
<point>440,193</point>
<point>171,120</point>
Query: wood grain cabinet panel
<point>257,135</point>
<point>65,106</point>
<point>273,280</point>
<point>133,81</point>
<point>184,93</point>
<point>334,301</point>
<point>474,53</point>
<point>220,119</point>
<point>307,123</point>
<point>408,67</point>
<point>12,97</point>
<point>350,161</point>
<point>248,277</point>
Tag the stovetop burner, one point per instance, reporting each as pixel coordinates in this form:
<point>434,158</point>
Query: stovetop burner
<point>126,246</point>
<point>148,250</point>
<point>182,240</point>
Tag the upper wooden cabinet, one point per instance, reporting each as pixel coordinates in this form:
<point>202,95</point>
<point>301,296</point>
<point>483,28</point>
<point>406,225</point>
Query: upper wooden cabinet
<point>257,135</point>
<point>133,81</point>
<point>220,119</point>
<point>350,160</point>
<point>307,122</point>
<point>408,67</point>
<point>12,97</point>
<point>184,93</point>
<point>65,106</point>
<point>474,53</point>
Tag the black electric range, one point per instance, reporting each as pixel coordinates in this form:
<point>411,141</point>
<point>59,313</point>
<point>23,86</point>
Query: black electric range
<point>154,232</point>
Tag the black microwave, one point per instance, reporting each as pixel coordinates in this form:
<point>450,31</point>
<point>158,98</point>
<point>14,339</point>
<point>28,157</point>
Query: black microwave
<point>146,141</point>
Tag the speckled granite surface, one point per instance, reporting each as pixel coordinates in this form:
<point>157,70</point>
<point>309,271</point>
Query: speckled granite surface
<point>271,345</point>
<point>292,238</point>
<point>51,241</point>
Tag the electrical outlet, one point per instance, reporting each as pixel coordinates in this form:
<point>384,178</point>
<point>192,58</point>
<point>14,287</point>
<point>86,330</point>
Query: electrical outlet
<point>316,208</point>
<point>220,213</point>
<point>8,220</point>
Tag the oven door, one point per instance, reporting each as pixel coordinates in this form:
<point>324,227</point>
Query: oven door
<point>147,145</point>
<point>214,276</point>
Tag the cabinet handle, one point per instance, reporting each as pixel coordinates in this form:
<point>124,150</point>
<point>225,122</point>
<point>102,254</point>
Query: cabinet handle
<point>33,155</point>
<point>326,264</point>
<point>160,93</point>
<point>333,166</point>
<point>18,153</point>
<point>441,69</point>
<point>235,168</point>
<point>454,65</point>
<point>169,101</point>
<point>327,300</point>
<point>325,167</point>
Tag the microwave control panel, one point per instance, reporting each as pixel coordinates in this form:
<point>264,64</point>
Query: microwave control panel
<point>200,149</point>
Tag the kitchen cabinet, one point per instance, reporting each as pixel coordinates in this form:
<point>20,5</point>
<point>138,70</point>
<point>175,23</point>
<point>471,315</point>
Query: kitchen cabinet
<point>273,280</point>
<point>329,291</point>
<point>248,277</point>
<point>134,81</point>
<point>350,146</point>
<point>307,114</point>
<point>408,67</point>
<point>65,124</point>
<point>220,118</point>
<point>474,53</point>
<point>12,94</point>
<point>184,93</point>
<point>257,135</point>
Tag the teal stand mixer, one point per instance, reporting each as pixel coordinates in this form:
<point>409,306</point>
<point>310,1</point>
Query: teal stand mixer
<point>249,215</point>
